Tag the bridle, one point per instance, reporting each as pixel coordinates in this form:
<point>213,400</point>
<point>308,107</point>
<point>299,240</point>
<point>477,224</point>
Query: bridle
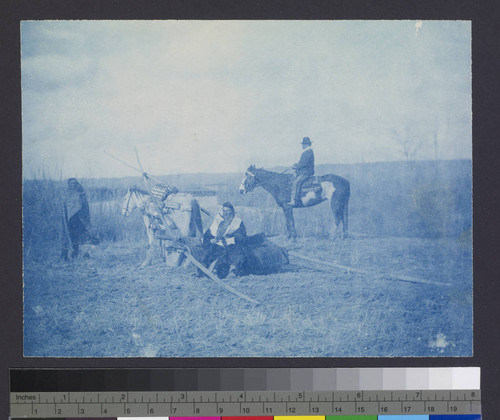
<point>126,205</point>
<point>256,184</point>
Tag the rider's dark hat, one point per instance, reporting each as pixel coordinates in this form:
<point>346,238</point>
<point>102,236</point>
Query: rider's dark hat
<point>306,140</point>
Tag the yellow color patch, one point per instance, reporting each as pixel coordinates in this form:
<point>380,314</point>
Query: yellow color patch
<point>299,417</point>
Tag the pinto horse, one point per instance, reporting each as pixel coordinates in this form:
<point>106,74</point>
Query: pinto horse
<point>176,217</point>
<point>334,188</point>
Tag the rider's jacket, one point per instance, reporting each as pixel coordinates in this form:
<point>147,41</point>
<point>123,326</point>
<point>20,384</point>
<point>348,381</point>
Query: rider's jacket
<point>305,166</point>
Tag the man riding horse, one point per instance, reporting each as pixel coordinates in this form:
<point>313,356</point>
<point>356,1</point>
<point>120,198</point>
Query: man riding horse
<point>304,170</point>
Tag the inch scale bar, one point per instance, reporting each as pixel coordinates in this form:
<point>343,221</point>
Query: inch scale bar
<point>244,403</point>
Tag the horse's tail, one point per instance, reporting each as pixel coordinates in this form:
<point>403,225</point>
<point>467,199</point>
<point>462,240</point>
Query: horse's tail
<point>346,217</point>
<point>340,203</point>
<point>337,181</point>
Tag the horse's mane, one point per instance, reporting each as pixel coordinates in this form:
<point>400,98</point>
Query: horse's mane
<point>272,173</point>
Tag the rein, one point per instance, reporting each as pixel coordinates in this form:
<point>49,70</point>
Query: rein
<point>141,206</point>
<point>125,206</point>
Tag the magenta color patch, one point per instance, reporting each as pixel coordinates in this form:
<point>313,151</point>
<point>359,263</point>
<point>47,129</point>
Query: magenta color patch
<point>194,418</point>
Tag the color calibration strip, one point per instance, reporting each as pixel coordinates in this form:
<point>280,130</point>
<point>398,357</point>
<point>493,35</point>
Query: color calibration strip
<point>340,417</point>
<point>339,393</point>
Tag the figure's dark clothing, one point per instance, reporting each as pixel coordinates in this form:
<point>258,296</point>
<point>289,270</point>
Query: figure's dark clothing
<point>297,187</point>
<point>305,166</point>
<point>229,249</point>
<point>304,170</point>
<point>75,220</point>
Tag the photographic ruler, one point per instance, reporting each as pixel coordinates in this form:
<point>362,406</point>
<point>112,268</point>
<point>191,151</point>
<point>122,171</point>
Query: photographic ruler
<point>185,393</point>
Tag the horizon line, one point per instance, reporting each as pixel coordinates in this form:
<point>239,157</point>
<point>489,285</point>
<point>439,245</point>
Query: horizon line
<point>233,173</point>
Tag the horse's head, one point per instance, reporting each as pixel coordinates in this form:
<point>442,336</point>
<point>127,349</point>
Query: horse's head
<point>134,198</point>
<point>126,203</point>
<point>249,181</point>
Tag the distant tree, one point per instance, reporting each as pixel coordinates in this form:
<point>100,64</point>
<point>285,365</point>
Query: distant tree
<point>409,147</point>
<point>411,141</point>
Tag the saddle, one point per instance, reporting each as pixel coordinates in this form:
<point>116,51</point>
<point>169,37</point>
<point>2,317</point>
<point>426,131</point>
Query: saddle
<point>310,193</point>
<point>312,184</point>
<point>161,191</point>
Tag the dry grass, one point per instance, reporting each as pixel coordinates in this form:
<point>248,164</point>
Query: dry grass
<point>108,306</point>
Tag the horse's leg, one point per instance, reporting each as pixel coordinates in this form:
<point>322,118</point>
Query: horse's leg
<point>287,223</point>
<point>345,226</point>
<point>162,250</point>
<point>151,248</point>
<point>290,222</point>
<point>151,243</point>
<point>339,205</point>
<point>337,210</point>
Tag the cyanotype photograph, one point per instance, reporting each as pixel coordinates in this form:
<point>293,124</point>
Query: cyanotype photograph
<point>247,188</point>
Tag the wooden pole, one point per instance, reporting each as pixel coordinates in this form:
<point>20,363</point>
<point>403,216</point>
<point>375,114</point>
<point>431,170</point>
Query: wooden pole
<point>357,270</point>
<point>212,276</point>
<point>132,167</point>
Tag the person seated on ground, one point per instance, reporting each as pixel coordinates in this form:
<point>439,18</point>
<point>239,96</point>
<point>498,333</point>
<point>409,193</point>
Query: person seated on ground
<point>224,244</point>
<point>304,170</point>
<point>75,219</point>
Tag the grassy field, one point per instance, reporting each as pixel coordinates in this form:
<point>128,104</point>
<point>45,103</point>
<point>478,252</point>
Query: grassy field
<point>108,306</point>
<point>410,219</point>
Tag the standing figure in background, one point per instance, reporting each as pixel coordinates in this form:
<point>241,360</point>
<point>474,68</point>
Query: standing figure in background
<point>304,170</point>
<point>75,219</point>
<point>224,243</point>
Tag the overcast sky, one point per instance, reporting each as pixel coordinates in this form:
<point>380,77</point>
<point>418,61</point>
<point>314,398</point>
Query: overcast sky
<point>217,96</point>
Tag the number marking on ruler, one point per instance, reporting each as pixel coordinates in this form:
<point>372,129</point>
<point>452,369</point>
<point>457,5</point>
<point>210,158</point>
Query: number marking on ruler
<point>244,403</point>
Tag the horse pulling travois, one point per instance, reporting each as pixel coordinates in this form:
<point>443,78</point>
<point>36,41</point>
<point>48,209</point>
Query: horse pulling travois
<point>329,187</point>
<point>176,216</point>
